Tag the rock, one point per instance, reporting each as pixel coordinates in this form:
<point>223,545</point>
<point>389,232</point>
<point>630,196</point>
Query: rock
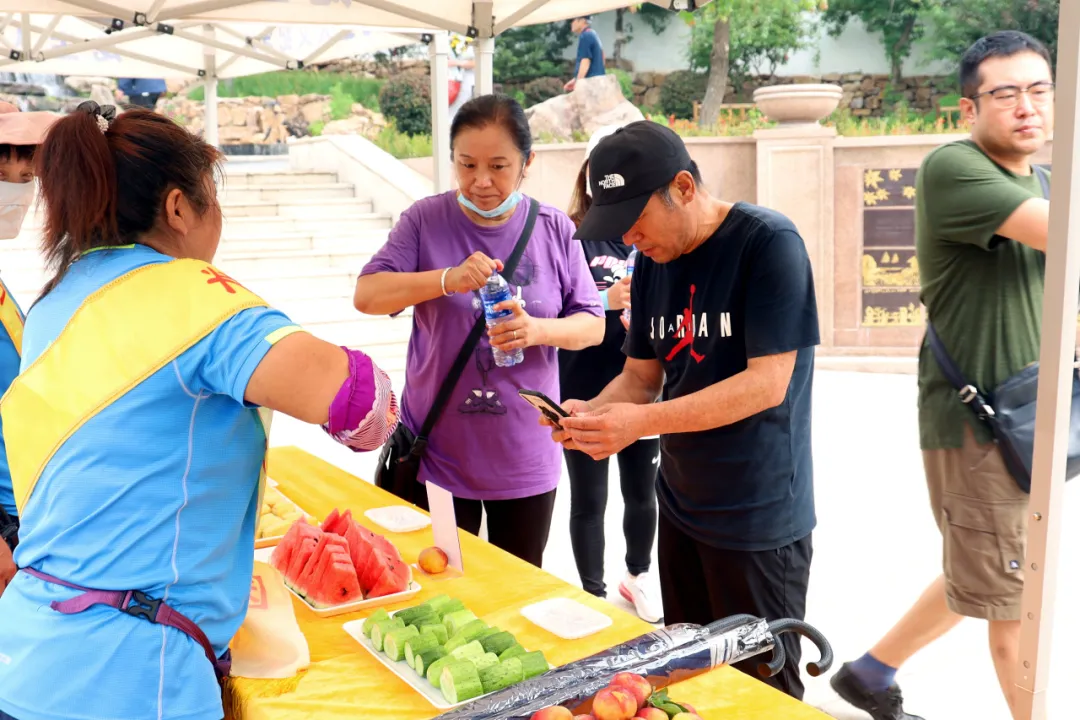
<point>237,116</point>
<point>595,102</point>
<point>647,79</point>
<point>378,120</point>
<point>651,98</point>
<point>924,93</point>
<point>358,109</point>
<point>832,78</point>
<point>638,89</point>
<point>618,115</point>
<point>658,79</point>
<point>867,83</point>
<point>856,102</point>
<point>289,99</point>
<point>555,117</point>
<point>355,125</point>
<point>83,85</point>
<point>315,111</point>
<point>102,95</point>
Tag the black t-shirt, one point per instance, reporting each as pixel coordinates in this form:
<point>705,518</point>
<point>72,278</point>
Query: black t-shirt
<point>747,291</point>
<point>584,373</point>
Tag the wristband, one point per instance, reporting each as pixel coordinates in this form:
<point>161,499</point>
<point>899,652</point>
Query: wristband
<point>442,282</point>
<point>604,300</point>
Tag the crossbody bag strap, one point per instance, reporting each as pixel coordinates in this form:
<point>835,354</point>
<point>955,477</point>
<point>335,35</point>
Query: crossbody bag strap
<point>968,393</point>
<point>471,341</point>
<point>1044,181</point>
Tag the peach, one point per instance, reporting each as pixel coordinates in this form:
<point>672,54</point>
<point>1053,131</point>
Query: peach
<point>555,712</point>
<point>638,686</point>
<point>432,560</point>
<point>651,713</point>
<point>614,703</point>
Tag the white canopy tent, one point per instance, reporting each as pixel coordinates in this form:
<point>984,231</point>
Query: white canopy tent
<point>70,45</point>
<point>479,19</point>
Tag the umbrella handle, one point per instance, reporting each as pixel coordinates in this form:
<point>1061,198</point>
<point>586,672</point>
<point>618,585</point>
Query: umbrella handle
<point>730,623</point>
<point>779,627</point>
<point>776,664</point>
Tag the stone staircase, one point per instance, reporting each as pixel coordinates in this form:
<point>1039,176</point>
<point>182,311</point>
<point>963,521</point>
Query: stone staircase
<point>298,239</point>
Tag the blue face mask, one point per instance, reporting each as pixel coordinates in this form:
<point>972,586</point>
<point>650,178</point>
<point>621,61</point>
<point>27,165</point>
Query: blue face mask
<point>506,206</point>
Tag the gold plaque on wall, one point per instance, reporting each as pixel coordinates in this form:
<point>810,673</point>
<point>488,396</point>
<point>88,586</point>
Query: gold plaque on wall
<point>889,272</point>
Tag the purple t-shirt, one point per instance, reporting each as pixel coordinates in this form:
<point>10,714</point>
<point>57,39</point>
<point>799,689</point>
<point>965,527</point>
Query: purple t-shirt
<point>488,444</point>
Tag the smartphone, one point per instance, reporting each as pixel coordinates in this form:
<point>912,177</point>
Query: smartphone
<point>550,409</point>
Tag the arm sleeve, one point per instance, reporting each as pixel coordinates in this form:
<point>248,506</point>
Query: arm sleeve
<point>781,307</point>
<point>638,344</point>
<point>967,197</point>
<point>230,354</point>
<point>401,252</point>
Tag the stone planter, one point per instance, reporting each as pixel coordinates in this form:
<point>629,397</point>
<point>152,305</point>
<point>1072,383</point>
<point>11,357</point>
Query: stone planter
<point>805,104</point>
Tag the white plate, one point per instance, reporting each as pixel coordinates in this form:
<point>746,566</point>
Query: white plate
<point>414,587</point>
<point>398,518</point>
<point>566,618</point>
<point>401,668</point>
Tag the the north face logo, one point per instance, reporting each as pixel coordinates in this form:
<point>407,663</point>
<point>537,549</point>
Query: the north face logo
<point>612,181</point>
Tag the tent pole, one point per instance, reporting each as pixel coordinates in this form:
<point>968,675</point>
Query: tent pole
<point>210,99</point>
<point>1054,399</point>
<point>485,66</point>
<point>440,109</point>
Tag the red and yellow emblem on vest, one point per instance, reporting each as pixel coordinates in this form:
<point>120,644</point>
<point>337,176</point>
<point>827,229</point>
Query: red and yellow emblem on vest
<point>122,334</point>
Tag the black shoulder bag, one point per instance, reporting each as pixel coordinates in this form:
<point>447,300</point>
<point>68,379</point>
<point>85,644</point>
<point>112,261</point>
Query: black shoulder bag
<point>1009,412</point>
<point>399,461</point>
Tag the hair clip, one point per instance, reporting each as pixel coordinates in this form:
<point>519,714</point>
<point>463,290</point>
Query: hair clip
<point>104,115</point>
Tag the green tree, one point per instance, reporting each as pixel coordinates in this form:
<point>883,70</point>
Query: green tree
<point>899,22</point>
<point>737,38</point>
<point>534,51</point>
<point>956,25</point>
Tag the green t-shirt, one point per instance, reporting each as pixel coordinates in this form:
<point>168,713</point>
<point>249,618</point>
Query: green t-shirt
<point>983,292</point>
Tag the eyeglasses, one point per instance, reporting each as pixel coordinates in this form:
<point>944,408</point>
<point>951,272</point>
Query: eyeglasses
<point>1006,98</point>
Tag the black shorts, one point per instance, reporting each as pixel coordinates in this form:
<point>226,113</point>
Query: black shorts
<point>701,584</point>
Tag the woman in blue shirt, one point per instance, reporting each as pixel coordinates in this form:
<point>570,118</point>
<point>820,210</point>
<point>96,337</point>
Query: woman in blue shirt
<point>156,492</point>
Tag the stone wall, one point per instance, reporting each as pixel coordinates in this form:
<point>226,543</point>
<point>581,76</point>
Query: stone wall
<point>267,121</point>
<point>865,95</point>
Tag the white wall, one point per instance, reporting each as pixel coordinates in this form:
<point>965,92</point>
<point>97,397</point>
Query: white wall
<point>856,50</point>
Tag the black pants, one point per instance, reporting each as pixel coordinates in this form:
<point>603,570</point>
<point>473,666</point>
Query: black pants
<point>520,527</point>
<point>588,501</point>
<point>700,584</point>
<point>149,102</point>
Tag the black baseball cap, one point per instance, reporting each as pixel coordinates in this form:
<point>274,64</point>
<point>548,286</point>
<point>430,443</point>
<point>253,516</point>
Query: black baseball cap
<point>625,169</point>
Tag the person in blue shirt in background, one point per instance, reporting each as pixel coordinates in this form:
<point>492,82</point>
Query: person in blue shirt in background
<point>20,134</point>
<point>590,53</point>
<point>142,92</point>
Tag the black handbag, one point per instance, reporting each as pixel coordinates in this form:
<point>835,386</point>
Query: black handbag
<point>1009,412</point>
<point>399,462</point>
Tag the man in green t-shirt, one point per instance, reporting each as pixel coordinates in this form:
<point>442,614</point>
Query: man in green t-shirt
<point>981,217</point>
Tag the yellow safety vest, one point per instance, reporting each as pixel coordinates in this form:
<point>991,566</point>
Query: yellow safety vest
<point>11,318</point>
<point>121,334</point>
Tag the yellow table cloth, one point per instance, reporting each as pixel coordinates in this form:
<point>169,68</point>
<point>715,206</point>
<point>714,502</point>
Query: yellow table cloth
<point>344,681</point>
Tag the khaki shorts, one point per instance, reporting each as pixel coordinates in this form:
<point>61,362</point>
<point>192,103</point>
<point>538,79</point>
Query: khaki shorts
<point>982,515</point>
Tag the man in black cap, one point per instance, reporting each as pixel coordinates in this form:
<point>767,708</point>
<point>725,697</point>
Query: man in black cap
<point>723,329</point>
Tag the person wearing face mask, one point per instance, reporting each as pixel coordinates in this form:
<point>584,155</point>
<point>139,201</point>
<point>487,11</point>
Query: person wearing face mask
<point>20,134</point>
<point>487,447</point>
<point>585,373</point>
<point>137,430</point>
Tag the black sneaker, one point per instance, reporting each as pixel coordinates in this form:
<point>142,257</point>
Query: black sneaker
<point>885,705</point>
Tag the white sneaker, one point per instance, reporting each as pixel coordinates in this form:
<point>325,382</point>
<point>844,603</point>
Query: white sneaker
<point>642,592</point>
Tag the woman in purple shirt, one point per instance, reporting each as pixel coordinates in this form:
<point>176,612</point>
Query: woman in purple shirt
<point>487,448</point>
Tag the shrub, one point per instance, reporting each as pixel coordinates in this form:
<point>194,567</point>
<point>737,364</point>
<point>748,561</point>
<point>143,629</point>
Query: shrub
<point>541,89</point>
<point>340,103</point>
<point>681,89</point>
<point>626,82</point>
<point>298,82</point>
<point>407,100</point>
<point>403,146</point>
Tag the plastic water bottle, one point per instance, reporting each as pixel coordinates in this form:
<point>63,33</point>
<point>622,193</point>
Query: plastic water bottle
<point>494,292</point>
<point>630,260</point>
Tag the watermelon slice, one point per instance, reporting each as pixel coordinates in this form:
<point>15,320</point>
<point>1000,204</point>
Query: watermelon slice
<point>339,562</point>
<point>395,578</point>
